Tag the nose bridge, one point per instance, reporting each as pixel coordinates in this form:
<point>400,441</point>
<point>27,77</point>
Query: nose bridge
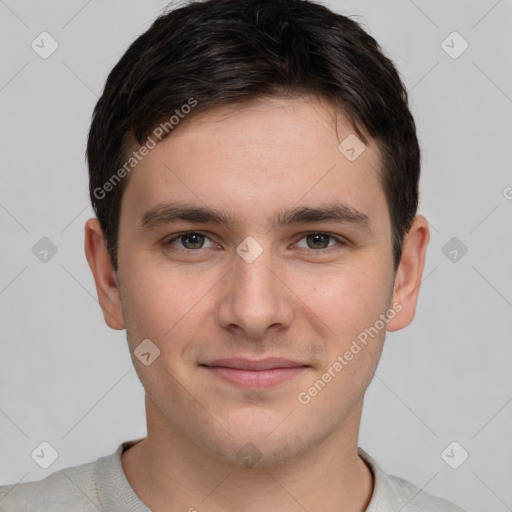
<point>254,299</point>
<point>254,278</point>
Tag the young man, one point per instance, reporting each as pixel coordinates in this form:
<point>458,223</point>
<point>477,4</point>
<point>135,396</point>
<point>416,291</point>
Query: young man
<point>254,170</point>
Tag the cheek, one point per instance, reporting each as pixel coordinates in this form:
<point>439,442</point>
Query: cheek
<point>152,301</point>
<point>350,305</point>
<point>164,304</point>
<point>347,299</point>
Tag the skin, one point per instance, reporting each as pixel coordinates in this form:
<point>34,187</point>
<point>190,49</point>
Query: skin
<point>299,299</point>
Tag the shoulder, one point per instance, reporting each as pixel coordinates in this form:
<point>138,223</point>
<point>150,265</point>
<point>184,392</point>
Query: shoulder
<point>413,499</point>
<point>393,493</point>
<point>71,488</point>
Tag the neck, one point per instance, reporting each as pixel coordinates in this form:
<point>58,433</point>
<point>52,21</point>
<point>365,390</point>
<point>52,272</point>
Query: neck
<point>169,472</point>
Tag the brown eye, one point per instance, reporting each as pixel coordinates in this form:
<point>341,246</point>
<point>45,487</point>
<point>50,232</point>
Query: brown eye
<point>319,241</point>
<point>190,240</point>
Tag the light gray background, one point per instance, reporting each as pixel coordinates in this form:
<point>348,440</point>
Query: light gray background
<point>67,379</point>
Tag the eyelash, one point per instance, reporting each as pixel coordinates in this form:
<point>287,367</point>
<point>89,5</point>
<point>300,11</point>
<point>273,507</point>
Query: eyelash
<point>341,241</point>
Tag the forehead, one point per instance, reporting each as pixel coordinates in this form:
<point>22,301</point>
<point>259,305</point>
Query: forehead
<point>256,158</point>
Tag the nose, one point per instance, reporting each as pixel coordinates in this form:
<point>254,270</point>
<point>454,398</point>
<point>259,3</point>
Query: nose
<point>255,297</point>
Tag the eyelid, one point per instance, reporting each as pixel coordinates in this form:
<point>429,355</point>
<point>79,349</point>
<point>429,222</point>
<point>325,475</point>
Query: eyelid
<point>176,236</point>
<point>342,241</point>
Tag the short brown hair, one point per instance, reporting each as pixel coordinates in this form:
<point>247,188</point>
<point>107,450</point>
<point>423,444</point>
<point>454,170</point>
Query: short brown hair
<point>225,51</point>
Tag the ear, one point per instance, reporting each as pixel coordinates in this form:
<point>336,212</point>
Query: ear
<point>409,272</point>
<point>104,275</point>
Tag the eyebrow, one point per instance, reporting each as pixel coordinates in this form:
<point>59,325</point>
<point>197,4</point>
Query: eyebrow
<point>168,213</point>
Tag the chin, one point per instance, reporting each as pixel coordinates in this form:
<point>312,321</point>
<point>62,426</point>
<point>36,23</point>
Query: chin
<point>260,447</point>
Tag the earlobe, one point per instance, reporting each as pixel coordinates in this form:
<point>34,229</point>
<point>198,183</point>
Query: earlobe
<point>409,273</point>
<point>105,278</point>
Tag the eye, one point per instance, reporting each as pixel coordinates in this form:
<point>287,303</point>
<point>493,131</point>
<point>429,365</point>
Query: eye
<point>193,240</point>
<point>190,240</point>
<point>320,241</point>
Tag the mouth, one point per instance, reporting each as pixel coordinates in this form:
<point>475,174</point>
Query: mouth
<point>263,373</point>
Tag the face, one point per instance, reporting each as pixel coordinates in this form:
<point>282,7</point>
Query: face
<point>303,272</point>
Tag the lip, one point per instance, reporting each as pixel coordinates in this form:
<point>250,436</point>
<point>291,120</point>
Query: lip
<point>262,373</point>
<point>269,363</point>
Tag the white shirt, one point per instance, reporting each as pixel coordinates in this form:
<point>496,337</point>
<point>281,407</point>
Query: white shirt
<point>102,486</point>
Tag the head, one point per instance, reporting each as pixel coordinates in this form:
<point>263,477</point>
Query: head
<point>279,130</point>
